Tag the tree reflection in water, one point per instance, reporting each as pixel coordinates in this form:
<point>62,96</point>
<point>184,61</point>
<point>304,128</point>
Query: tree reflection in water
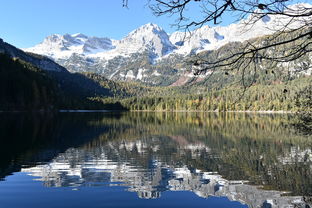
<point>256,159</point>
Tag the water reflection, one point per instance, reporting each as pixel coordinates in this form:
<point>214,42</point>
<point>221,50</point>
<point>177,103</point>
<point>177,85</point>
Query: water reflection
<point>257,160</point>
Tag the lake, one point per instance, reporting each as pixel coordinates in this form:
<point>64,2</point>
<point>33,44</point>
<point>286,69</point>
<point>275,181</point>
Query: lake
<point>153,159</point>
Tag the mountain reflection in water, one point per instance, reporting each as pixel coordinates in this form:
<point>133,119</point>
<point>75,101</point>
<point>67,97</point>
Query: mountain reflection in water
<point>258,160</point>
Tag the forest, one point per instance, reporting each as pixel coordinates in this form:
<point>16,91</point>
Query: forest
<point>26,87</point>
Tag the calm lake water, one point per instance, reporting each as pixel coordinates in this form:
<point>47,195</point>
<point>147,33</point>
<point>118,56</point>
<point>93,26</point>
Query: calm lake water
<point>153,160</point>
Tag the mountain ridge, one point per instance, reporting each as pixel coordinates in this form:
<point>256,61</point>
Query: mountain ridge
<point>37,60</point>
<point>153,38</point>
<point>152,56</point>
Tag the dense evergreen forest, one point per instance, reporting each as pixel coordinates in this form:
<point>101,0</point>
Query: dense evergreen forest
<point>23,86</point>
<point>26,87</point>
<point>276,96</point>
<point>255,98</point>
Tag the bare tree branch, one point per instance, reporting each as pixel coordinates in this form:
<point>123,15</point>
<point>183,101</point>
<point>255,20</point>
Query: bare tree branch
<point>297,25</point>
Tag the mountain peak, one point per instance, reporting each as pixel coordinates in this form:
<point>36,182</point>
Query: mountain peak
<point>53,37</point>
<point>151,26</point>
<point>147,37</point>
<point>79,35</point>
<point>147,28</point>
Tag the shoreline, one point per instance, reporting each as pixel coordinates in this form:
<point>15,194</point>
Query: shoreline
<point>198,111</point>
<point>84,111</point>
<point>170,111</point>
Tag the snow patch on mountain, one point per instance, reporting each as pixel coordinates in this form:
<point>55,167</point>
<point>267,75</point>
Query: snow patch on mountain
<point>140,74</point>
<point>130,75</point>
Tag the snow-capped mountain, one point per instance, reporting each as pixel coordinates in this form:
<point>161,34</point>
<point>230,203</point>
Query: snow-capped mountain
<point>63,46</point>
<point>212,38</point>
<point>154,39</point>
<point>136,56</point>
<point>149,37</point>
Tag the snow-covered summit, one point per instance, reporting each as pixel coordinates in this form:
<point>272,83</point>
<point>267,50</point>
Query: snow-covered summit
<point>149,37</point>
<point>59,46</point>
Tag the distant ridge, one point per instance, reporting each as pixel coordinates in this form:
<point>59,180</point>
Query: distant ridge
<point>39,61</point>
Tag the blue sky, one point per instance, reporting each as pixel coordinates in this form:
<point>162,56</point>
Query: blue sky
<point>25,23</point>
